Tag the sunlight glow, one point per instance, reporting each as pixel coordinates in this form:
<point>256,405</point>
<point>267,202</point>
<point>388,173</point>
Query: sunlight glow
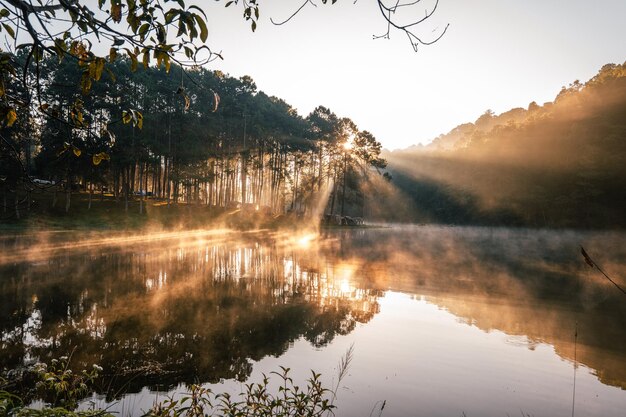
<point>346,287</point>
<point>305,241</point>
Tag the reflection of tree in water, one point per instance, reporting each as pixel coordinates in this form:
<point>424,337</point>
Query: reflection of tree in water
<point>169,315</point>
<point>531,283</point>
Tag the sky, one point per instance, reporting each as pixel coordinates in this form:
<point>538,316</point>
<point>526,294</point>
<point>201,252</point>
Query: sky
<point>496,54</point>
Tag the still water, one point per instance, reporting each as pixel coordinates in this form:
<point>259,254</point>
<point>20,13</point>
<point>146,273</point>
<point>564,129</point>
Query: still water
<point>444,321</point>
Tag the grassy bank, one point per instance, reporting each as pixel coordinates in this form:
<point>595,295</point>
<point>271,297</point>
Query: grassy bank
<point>106,213</point>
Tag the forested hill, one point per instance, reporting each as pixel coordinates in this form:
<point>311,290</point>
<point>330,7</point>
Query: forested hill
<point>560,164</point>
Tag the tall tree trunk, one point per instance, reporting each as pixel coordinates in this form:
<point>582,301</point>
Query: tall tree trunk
<point>125,180</point>
<point>244,179</point>
<point>343,192</point>
<point>116,185</point>
<point>17,204</point>
<point>141,188</point>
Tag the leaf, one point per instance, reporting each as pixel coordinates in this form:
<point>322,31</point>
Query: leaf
<point>204,32</point>
<point>169,16</point>
<point>143,29</point>
<point>76,151</point>
<point>112,55</point>
<point>168,63</point>
<point>9,29</point>
<point>133,61</point>
<point>11,117</point>
<point>85,82</point>
<point>116,11</point>
<point>139,119</point>
<point>161,35</point>
<point>99,157</point>
<point>99,66</point>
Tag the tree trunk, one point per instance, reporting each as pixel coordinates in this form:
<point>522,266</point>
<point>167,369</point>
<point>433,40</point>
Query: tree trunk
<point>141,188</point>
<point>125,175</point>
<point>68,197</point>
<point>17,204</point>
<point>244,179</point>
<point>343,191</point>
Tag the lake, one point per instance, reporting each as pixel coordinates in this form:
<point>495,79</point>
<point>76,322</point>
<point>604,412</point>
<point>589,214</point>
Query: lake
<point>444,321</point>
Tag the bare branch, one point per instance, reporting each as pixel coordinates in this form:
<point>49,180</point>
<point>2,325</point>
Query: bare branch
<point>293,14</point>
<point>390,15</point>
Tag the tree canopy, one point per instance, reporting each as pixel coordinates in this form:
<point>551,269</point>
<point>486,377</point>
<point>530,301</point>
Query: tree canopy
<point>253,152</point>
<point>87,95</point>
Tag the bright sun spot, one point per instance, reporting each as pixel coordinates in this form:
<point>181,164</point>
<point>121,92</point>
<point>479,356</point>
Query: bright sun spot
<point>306,240</point>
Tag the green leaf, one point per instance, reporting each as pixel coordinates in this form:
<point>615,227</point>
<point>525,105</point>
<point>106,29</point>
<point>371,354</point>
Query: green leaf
<point>198,9</point>
<point>9,30</point>
<point>143,29</point>
<point>204,32</point>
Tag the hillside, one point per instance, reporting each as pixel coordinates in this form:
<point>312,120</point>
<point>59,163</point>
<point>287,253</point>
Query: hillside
<point>560,164</point>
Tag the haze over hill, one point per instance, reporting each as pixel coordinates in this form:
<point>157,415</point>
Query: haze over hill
<point>561,164</point>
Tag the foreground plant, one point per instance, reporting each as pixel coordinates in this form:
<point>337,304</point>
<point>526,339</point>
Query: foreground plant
<point>258,400</point>
<point>59,386</point>
<point>62,389</point>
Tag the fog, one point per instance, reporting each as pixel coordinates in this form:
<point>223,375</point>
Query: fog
<point>558,164</point>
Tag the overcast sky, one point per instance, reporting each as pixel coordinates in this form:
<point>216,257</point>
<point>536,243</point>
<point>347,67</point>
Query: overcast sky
<point>496,54</point>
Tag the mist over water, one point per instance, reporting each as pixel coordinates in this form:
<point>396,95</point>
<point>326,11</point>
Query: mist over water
<point>444,320</point>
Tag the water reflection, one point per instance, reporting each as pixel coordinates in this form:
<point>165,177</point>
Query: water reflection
<point>206,306</point>
<point>530,283</point>
<point>164,314</point>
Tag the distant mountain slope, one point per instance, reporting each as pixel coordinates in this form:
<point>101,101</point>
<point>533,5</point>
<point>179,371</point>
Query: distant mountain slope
<point>560,164</point>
